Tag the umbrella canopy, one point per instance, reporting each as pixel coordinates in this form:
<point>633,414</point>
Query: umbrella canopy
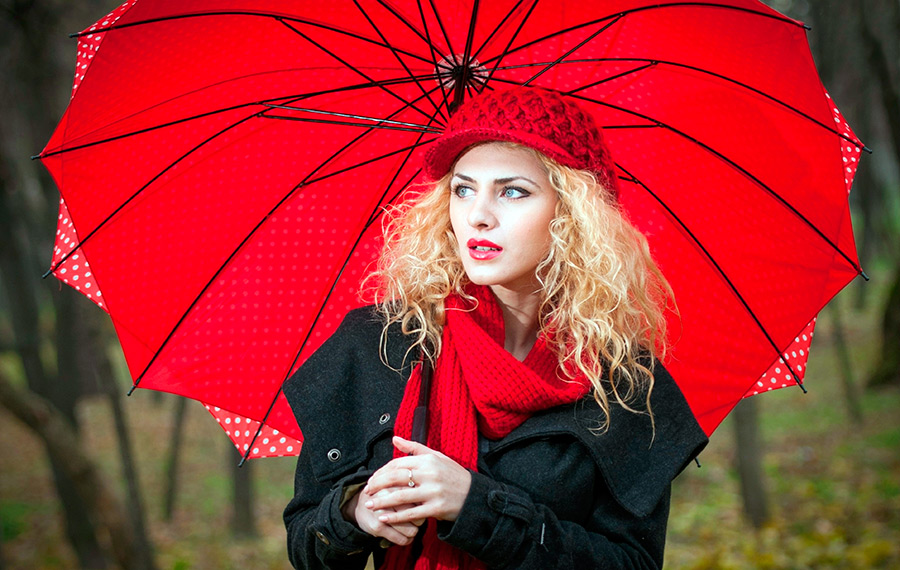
<point>224,165</point>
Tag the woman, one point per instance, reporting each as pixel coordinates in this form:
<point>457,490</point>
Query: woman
<point>553,433</point>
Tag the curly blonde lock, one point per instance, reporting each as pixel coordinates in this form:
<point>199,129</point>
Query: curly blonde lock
<point>603,299</point>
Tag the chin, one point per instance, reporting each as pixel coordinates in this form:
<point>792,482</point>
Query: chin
<point>481,280</point>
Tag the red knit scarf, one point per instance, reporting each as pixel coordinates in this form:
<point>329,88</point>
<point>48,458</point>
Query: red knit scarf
<point>477,387</point>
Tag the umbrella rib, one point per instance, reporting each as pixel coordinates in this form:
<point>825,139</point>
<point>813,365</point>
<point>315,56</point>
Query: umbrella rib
<point>306,181</point>
<point>410,126</point>
<point>344,123</point>
<point>354,69</point>
<point>141,189</point>
<point>653,62</point>
<point>404,21</point>
<point>379,210</point>
<point>169,167</point>
<point>736,166</point>
<point>500,25</point>
<point>440,22</point>
<point>253,231</point>
<point>398,58</point>
<point>277,17</point>
<point>462,82</point>
<point>390,200</point>
<point>359,86</point>
<point>376,213</point>
<point>142,131</point>
<point>574,49</point>
<point>619,15</point>
<point>715,264</point>
<point>365,162</point>
<point>470,37</point>
<point>434,59</point>
<point>315,320</point>
<point>553,35</point>
<point>506,50</point>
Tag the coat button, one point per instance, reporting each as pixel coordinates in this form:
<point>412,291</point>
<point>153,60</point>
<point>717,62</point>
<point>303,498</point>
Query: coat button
<point>322,537</point>
<point>384,418</point>
<point>334,455</point>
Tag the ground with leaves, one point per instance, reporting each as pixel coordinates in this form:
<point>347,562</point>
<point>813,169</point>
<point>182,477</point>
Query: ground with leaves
<point>833,486</point>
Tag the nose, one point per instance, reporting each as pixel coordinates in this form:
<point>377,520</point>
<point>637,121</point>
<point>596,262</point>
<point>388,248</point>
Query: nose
<point>482,214</point>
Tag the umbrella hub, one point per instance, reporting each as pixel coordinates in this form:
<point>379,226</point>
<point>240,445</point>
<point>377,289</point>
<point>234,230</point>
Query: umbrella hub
<point>455,73</point>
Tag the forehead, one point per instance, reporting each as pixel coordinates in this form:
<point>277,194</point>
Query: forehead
<point>500,160</point>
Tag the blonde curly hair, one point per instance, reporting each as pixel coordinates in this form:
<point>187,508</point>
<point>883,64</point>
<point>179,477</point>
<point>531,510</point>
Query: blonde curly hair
<point>602,294</point>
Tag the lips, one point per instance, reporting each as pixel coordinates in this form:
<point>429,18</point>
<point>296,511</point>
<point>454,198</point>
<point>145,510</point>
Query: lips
<point>482,249</point>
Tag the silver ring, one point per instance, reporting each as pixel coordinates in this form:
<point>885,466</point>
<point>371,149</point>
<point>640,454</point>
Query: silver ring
<point>411,482</point>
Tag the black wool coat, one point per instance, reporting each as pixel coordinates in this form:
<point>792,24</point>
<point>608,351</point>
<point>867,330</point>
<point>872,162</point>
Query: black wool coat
<point>554,493</point>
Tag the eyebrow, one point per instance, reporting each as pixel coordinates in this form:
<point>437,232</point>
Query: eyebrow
<point>497,180</point>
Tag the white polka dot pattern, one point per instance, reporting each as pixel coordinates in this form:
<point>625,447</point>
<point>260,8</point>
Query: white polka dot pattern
<point>89,43</point>
<point>849,151</point>
<point>241,431</point>
<point>75,271</point>
<point>223,231</point>
<point>794,359</point>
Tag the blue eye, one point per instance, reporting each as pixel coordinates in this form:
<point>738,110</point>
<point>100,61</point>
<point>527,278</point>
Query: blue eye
<point>514,193</point>
<point>462,191</point>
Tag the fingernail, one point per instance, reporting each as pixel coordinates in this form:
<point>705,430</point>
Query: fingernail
<point>383,518</point>
<point>369,504</point>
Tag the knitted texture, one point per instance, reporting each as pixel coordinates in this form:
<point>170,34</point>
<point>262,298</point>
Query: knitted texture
<point>539,118</point>
<point>477,387</point>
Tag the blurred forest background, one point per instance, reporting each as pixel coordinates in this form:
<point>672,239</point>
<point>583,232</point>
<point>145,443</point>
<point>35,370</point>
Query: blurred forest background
<point>86,481</point>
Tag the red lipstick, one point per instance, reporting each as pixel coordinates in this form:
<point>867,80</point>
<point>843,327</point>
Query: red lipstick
<point>482,249</point>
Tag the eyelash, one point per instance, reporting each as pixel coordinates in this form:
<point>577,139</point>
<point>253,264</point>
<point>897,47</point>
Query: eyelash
<point>524,193</point>
<point>455,190</point>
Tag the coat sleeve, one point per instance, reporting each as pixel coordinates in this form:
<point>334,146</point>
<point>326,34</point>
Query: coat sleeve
<point>318,536</point>
<point>505,528</point>
<point>555,494</point>
<point>340,397</point>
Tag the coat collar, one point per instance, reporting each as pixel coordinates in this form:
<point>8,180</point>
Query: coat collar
<point>347,378</point>
<point>638,460</point>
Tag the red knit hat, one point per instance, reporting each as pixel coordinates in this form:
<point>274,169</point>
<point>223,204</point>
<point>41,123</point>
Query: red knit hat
<point>538,118</point>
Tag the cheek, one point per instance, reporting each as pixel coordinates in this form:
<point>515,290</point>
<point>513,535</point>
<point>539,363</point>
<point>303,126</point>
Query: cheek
<point>456,220</point>
<point>537,233</point>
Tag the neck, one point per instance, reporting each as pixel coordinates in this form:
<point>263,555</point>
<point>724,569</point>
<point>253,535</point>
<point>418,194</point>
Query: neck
<point>520,320</point>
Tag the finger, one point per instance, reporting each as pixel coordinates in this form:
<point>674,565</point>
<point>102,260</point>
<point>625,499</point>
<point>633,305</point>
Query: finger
<point>407,529</point>
<point>411,447</point>
<point>394,476</point>
<point>410,515</point>
<point>392,534</point>
<point>401,533</point>
<point>396,499</point>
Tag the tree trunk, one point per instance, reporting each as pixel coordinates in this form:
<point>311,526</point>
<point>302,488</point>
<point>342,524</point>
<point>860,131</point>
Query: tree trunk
<point>887,372</point>
<point>243,524</point>
<point>174,451</point>
<point>21,286</point>
<point>851,398</point>
<point>883,53</point>
<point>59,438</point>
<point>880,63</point>
<point>749,462</point>
<point>142,546</point>
<point>2,564</point>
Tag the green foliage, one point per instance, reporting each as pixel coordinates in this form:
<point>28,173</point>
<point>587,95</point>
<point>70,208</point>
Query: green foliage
<point>12,518</point>
<point>833,486</point>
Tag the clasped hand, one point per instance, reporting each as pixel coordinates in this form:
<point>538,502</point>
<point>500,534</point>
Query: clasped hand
<point>392,509</point>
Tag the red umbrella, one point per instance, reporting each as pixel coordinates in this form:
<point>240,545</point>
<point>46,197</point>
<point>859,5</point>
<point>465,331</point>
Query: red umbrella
<point>224,164</point>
